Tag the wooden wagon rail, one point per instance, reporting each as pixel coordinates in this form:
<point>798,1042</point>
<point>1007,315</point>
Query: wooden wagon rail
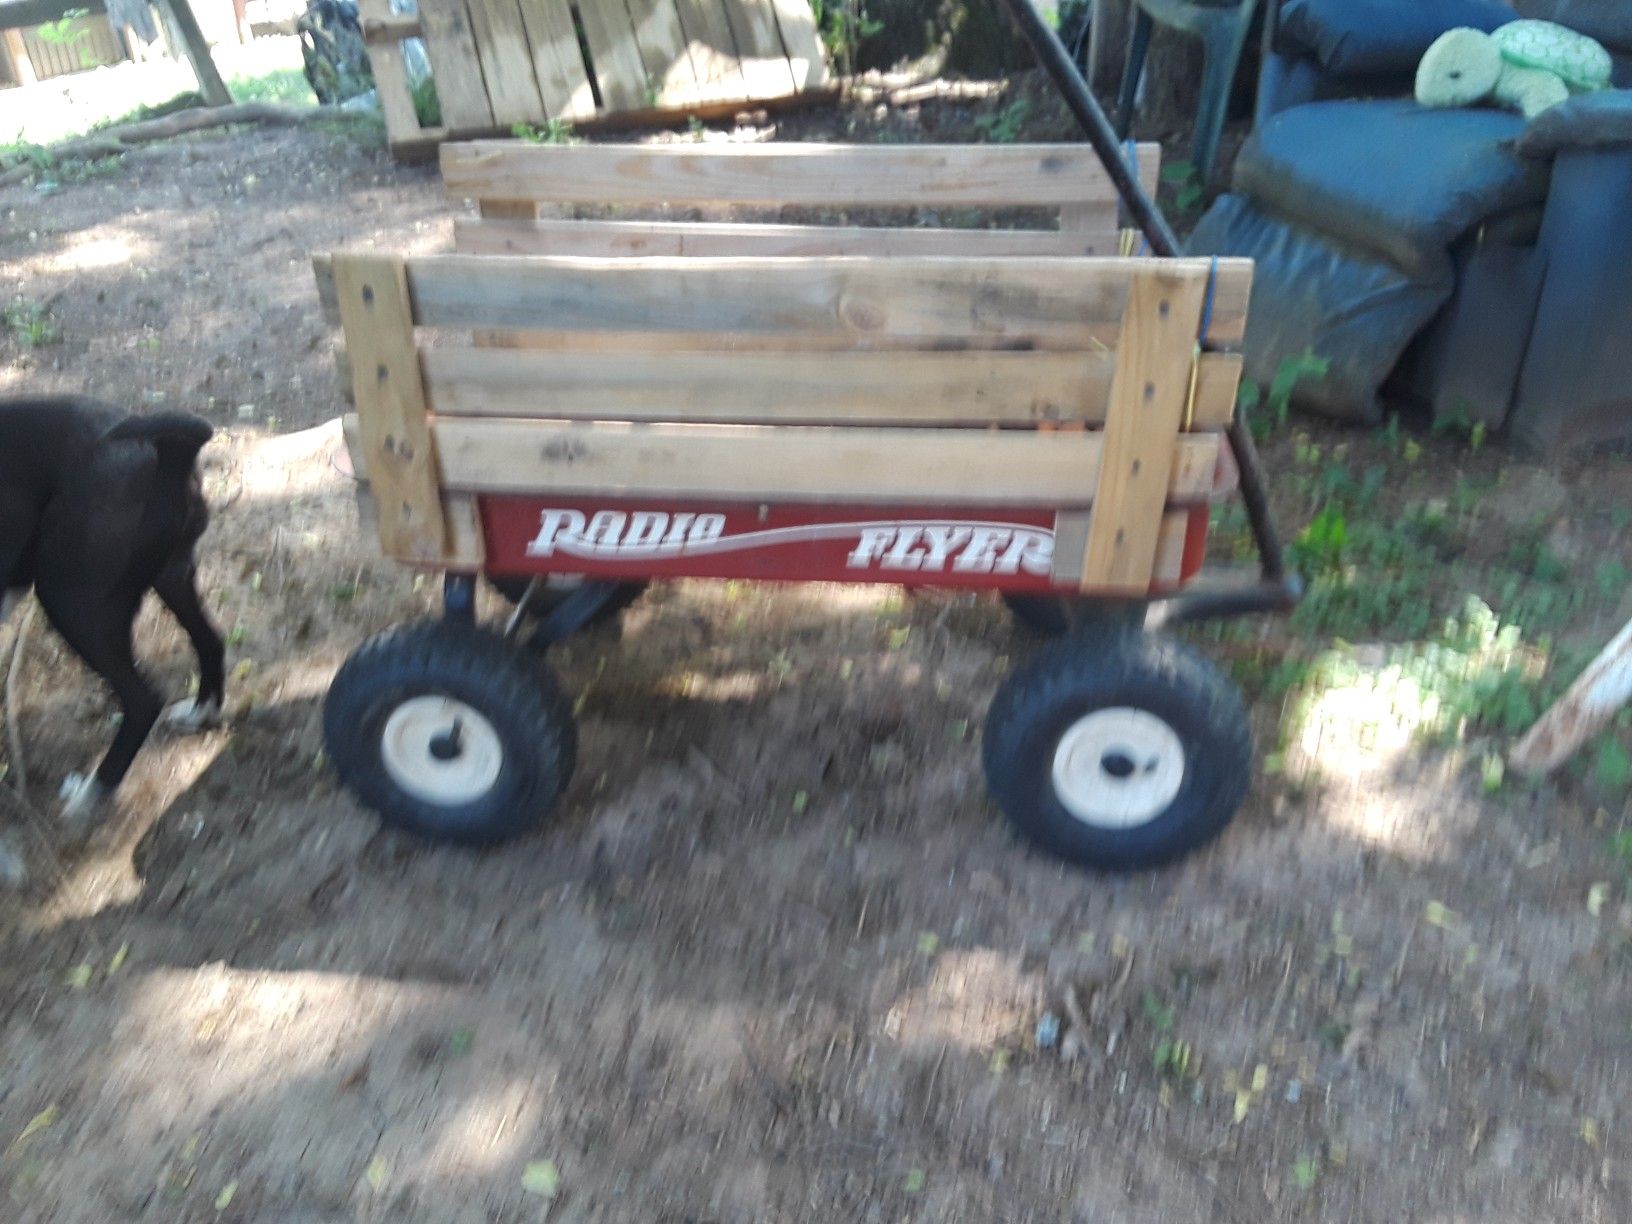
<point>1058,381</point>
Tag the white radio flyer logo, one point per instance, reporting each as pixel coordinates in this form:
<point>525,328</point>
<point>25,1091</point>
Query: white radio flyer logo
<point>906,545</point>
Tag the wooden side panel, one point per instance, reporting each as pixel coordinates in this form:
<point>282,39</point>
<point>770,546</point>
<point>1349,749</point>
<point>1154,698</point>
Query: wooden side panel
<point>1149,394</point>
<point>1099,214</point>
<point>390,77</point>
<point>558,63</point>
<point>820,175</point>
<point>1001,467</point>
<point>618,67</point>
<point>806,59</point>
<point>706,238</point>
<point>711,49</point>
<point>1071,542</point>
<point>662,43</point>
<point>507,61</point>
<point>859,388</point>
<point>396,441</point>
<point>1022,302</point>
<point>973,389</point>
<point>765,70</point>
<point>455,67</point>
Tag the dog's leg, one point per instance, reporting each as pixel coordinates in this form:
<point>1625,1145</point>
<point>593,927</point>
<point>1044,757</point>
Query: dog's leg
<point>96,624</point>
<point>177,586</point>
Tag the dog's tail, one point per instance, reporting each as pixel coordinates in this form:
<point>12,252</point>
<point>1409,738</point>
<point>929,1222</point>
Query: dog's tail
<point>178,436</point>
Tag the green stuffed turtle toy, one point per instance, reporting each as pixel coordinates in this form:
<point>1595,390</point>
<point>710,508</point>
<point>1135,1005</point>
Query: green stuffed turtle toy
<point>1526,66</point>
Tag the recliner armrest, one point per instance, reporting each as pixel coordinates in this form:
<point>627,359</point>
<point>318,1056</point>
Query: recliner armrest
<point>1588,121</point>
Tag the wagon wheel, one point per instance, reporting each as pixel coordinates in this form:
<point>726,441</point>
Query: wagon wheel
<point>449,732</point>
<point>1118,749</point>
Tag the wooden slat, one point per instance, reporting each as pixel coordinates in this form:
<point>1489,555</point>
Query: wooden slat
<point>1148,397</point>
<point>466,545</point>
<point>395,434</point>
<point>976,467</point>
<point>818,175</point>
<point>390,76</point>
<point>1058,303</point>
<point>712,50</point>
<point>1100,214</point>
<point>791,388</point>
<point>1071,541</point>
<point>558,62</point>
<point>507,61</point>
<point>765,70</point>
<point>323,274</point>
<point>454,65</point>
<point>616,55</point>
<point>387,27</point>
<point>662,43</point>
<point>1218,380</point>
<point>797,24</point>
<point>705,238</point>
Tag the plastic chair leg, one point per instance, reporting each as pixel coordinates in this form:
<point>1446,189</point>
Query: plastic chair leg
<point>1138,45</point>
<point>1222,49</point>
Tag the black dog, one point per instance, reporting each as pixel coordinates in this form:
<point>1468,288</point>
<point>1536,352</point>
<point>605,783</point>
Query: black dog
<point>96,509</point>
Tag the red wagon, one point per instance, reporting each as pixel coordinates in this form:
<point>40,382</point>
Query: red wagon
<point>575,407</point>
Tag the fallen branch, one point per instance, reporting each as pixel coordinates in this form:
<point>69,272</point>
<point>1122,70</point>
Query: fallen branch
<point>1581,713</point>
<point>116,140</point>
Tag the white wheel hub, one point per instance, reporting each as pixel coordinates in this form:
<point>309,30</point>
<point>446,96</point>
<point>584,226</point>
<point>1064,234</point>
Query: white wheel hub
<point>441,751</point>
<point>1118,768</point>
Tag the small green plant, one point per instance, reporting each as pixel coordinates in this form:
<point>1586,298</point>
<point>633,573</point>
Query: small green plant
<point>427,104</point>
<point>1004,126</point>
<point>844,25</point>
<point>1319,549</point>
<point>1188,191</point>
<point>30,323</point>
<point>1174,1059</point>
<point>63,33</point>
<point>553,132</point>
<point>1277,404</point>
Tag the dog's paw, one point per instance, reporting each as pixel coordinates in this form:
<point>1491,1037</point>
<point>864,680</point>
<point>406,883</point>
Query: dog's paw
<point>81,796</point>
<point>185,717</point>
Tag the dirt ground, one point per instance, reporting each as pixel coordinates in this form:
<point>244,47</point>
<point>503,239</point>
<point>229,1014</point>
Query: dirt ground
<point>777,959</point>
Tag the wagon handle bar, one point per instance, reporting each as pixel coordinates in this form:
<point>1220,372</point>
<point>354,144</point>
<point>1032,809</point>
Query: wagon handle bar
<point>1082,103</point>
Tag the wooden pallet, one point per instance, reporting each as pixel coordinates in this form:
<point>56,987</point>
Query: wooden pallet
<point>833,365</point>
<point>498,63</point>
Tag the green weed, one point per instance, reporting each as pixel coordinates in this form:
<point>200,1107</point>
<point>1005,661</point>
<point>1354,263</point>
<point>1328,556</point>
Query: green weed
<point>553,132</point>
<point>1004,126</point>
<point>30,324</point>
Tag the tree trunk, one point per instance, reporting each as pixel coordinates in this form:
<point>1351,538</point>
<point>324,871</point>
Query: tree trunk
<point>210,85</point>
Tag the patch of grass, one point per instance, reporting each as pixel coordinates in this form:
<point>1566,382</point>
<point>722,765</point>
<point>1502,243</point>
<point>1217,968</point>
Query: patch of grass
<point>1004,126</point>
<point>553,132</point>
<point>287,86</point>
<point>30,324</point>
<point>427,104</point>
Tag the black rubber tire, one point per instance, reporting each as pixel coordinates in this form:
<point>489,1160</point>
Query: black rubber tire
<point>1055,615</point>
<point>1087,671</point>
<point>512,690</point>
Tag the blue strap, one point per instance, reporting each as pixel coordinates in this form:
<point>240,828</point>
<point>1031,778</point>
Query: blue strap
<point>1207,303</point>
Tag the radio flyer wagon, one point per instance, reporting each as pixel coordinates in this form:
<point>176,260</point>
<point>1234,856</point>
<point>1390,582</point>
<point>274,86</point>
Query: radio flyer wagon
<point>574,408</point>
